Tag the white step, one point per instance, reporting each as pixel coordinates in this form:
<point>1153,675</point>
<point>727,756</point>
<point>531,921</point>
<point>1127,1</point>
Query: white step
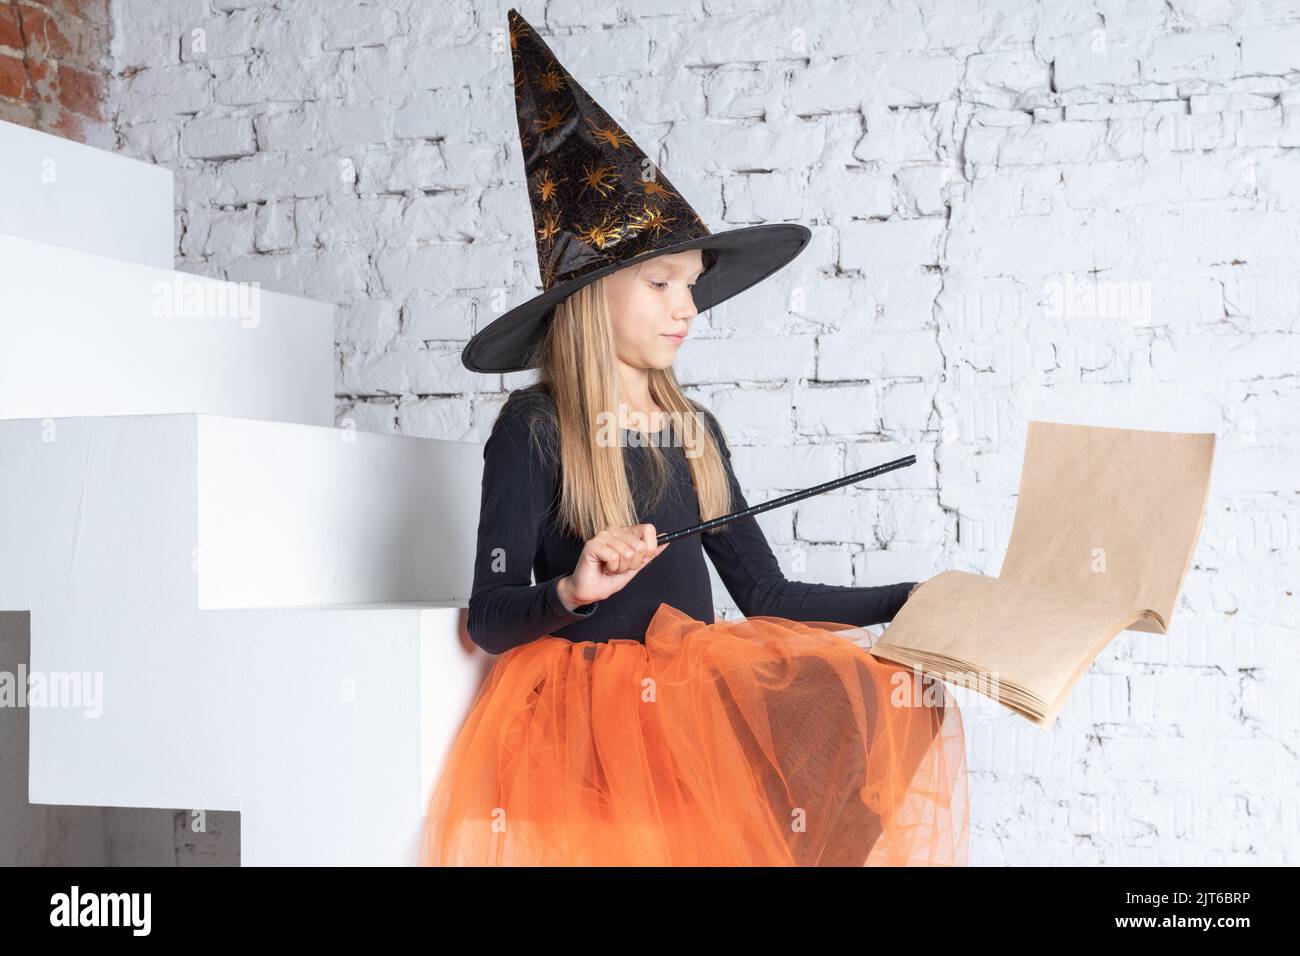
<point>325,727</point>
<point>69,194</point>
<point>84,334</point>
<point>292,515</point>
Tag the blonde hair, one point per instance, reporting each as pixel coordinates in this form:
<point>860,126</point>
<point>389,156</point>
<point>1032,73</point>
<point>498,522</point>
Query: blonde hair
<point>576,359</point>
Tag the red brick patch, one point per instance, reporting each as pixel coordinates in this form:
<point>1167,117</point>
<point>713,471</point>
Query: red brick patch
<point>53,56</point>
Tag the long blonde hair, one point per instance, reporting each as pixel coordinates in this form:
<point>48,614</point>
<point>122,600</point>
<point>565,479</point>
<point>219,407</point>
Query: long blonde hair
<point>577,370</point>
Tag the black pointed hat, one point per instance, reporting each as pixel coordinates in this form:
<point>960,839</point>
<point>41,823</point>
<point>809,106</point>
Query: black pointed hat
<point>600,204</point>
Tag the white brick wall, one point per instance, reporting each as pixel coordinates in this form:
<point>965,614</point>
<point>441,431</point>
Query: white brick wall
<point>962,166</point>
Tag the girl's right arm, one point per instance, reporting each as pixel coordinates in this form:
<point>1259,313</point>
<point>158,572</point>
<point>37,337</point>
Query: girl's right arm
<point>505,608</point>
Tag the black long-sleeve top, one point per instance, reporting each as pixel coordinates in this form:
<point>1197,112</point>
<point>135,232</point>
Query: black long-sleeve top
<point>518,540</point>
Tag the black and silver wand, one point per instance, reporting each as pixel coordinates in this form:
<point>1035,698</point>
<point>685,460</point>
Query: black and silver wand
<point>787,499</point>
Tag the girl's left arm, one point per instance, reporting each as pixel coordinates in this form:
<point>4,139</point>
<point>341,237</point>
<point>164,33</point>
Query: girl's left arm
<point>753,577</point>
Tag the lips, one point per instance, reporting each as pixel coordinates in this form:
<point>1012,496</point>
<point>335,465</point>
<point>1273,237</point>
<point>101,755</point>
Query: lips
<point>679,339</point>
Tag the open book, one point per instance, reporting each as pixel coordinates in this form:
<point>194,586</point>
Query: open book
<point>1106,523</point>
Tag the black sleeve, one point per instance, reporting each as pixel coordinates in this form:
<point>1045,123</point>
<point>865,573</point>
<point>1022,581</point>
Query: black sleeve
<point>519,472</point>
<point>753,577</point>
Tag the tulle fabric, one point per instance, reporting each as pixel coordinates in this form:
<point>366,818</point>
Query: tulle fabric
<point>755,742</point>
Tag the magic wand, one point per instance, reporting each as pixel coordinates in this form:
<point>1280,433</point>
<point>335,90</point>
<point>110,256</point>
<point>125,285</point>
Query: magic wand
<point>787,499</point>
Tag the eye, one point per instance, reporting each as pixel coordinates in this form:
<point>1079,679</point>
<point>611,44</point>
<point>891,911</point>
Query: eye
<point>658,285</point>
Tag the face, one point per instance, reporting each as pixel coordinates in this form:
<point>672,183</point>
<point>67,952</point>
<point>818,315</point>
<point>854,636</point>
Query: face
<point>652,307</point>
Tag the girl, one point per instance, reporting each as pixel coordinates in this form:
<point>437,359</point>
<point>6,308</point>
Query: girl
<point>621,723</point>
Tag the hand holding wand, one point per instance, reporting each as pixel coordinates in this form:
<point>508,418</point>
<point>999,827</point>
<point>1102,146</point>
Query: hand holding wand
<point>787,499</point>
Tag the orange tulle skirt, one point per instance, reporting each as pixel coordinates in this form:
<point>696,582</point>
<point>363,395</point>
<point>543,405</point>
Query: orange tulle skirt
<point>755,742</point>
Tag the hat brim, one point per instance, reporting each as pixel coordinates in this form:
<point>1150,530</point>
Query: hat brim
<point>745,256</point>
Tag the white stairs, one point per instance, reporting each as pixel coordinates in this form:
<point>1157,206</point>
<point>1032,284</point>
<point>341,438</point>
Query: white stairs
<point>234,604</point>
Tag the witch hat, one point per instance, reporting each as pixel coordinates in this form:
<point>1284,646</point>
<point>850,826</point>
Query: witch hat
<point>600,204</point>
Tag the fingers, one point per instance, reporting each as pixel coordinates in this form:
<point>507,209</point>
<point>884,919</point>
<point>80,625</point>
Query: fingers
<point>652,542</point>
<point>606,548</point>
<point>615,551</point>
<point>629,548</point>
<point>632,548</point>
<point>651,548</point>
<point>607,555</point>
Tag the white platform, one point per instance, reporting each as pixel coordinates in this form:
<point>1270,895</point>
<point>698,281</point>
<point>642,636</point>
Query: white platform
<point>324,726</point>
<point>70,194</point>
<point>85,334</point>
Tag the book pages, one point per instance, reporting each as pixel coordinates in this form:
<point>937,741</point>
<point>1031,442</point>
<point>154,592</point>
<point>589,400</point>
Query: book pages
<point>1111,514</point>
<point>1106,524</point>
